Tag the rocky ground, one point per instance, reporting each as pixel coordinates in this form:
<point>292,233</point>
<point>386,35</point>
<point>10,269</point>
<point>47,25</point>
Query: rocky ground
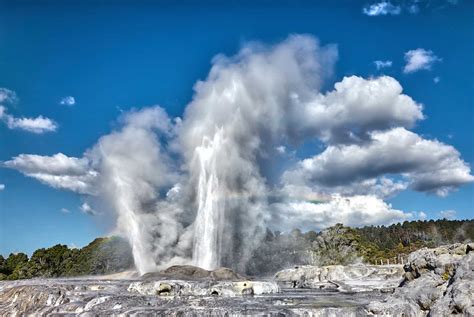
<point>435,282</point>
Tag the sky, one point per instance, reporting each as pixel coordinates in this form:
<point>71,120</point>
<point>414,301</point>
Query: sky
<point>70,69</point>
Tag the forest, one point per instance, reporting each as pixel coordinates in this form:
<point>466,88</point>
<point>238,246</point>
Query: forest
<point>335,245</point>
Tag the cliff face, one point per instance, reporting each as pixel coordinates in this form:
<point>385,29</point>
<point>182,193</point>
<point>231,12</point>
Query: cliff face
<point>437,282</point>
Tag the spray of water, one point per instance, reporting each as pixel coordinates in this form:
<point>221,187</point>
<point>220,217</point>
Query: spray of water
<point>197,189</point>
<point>209,219</point>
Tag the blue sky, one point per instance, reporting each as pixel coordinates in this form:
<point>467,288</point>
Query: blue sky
<point>115,56</point>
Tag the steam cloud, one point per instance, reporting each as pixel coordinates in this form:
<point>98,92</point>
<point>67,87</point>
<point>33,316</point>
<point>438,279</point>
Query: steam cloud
<point>201,189</point>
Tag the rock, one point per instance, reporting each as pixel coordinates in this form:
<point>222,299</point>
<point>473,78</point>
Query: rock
<point>437,282</point>
<point>179,272</point>
<point>459,296</point>
<point>224,274</point>
<point>344,278</point>
<point>187,280</point>
<point>193,273</point>
<point>203,288</point>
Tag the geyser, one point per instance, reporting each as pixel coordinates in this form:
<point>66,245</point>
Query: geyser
<point>210,205</point>
<point>195,190</point>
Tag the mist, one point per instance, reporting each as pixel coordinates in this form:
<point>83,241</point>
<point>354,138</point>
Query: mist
<point>198,189</point>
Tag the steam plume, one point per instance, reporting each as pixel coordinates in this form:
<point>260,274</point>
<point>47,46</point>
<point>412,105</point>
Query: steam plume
<point>201,189</point>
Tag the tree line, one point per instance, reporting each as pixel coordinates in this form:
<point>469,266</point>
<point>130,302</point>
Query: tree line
<point>344,245</point>
<point>101,256</point>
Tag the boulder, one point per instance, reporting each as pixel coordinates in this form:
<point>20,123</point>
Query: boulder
<point>437,282</point>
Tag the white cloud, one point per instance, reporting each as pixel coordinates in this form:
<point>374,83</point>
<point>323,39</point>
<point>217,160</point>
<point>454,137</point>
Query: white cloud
<point>436,79</point>
<point>88,210</point>
<point>382,64</point>
<point>448,214</point>
<point>68,101</point>
<point>429,165</point>
<point>36,125</point>
<point>296,186</point>
<point>422,215</point>
<point>65,211</point>
<point>419,59</point>
<point>7,96</point>
<point>58,171</point>
<point>2,187</point>
<point>382,8</point>
<point>281,149</point>
<point>412,6</point>
<point>354,108</point>
<point>351,211</point>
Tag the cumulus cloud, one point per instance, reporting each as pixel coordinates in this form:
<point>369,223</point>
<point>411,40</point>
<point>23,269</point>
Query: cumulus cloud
<point>2,187</point>
<point>58,171</point>
<point>353,211</point>
<point>357,106</point>
<point>422,215</point>
<point>382,8</point>
<point>448,214</point>
<point>419,59</point>
<point>68,101</point>
<point>429,165</point>
<point>36,125</point>
<point>436,79</point>
<point>382,64</point>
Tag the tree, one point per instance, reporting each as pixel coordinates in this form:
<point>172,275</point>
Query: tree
<point>15,263</point>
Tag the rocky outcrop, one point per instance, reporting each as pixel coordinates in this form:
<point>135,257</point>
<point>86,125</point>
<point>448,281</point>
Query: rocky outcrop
<point>351,278</point>
<point>194,273</point>
<point>437,282</point>
<point>337,245</point>
<point>188,280</point>
<point>203,288</point>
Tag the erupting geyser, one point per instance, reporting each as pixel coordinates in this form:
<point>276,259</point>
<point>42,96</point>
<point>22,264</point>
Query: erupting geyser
<point>209,219</point>
<point>196,190</point>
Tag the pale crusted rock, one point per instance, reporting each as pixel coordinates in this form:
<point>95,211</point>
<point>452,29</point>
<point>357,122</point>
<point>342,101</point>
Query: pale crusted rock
<point>346,278</point>
<point>203,288</point>
<point>459,296</point>
<point>437,282</point>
